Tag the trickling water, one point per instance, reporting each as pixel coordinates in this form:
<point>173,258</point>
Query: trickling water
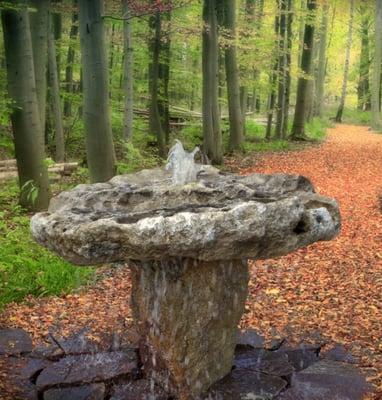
<point>182,164</point>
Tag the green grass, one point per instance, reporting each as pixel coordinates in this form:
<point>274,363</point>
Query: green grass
<point>26,268</point>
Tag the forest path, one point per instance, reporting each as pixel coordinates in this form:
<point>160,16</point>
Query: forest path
<point>334,288</point>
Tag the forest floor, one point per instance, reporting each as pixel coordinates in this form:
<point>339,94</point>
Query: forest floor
<point>330,291</point>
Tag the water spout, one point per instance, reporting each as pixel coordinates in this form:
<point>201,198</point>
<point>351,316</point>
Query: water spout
<point>182,164</point>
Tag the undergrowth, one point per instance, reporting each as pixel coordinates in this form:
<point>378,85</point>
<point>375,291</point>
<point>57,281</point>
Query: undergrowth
<point>26,268</point>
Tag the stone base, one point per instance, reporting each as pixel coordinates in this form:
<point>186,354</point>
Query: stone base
<point>187,312</point>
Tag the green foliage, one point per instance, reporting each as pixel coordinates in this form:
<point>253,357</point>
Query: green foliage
<point>190,136</point>
<point>316,128</point>
<point>134,160</point>
<point>26,268</point>
<point>356,117</point>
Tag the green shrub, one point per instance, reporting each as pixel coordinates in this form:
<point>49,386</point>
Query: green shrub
<point>26,268</point>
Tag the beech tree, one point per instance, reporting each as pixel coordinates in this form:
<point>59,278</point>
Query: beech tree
<point>99,141</point>
<point>236,137</point>
<point>210,67</point>
<point>25,116</point>
<point>298,129</point>
<point>376,78</point>
<point>347,63</point>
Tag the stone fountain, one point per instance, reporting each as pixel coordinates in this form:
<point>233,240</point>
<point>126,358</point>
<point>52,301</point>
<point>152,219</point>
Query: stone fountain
<point>187,234</point>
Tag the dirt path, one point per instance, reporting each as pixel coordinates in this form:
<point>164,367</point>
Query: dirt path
<point>333,289</point>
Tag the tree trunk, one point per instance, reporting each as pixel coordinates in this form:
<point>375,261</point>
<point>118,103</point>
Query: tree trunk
<point>376,77</point>
<point>99,140</point>
<point>128,68</point>
<point>210,67</point>
<point>282,8</point>
<point>363,89</point>
<point>321,68</point>
<point>155,24</point>
<point>69,63</point>
<point>26,122</point>
<point>273,82</point>
<point>57,35</point>
<point>347,64</point>
<point>288,66</point>
<point>39,29</point>
<point>55,96</point>
<point>236,136</point>
<point>164,76</point>
<point>298,129</point>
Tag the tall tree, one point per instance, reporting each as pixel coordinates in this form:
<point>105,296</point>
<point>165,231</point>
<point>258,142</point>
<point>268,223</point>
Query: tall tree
<point>128,73</point>
<point>347,63</point>
<point>288,66</point>
<point>155,122</point>
<point>210,69</point>
<point>298,129</point>
<point>39,32</point>
<point>376,77</point>
<point>55,95</point>
<point>25,117</point>
<point>69,83</point>
<point>363,89</point>
<point>281,78</point>
<point>273,82</point>
<point>236,137</point>
<point>321,67</point>
<point>99,141</point>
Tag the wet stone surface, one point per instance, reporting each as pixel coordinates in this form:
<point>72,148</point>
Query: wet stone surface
<point>256,373</point>
<point>14,342</point>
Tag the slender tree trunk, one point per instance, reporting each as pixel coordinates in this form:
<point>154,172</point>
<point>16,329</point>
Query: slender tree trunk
<point>99,140</point>
<point>128,68</point>
<point>321,68</point>
<point>164,76</point>
<point>39,30</point>
<point>363,89</point>
<point>347,64</point>
<point>288,66</point>
<point>236,137</point>
<point>210,68</point>
<point>69,86</point>
<point>155,122</point>
<point>26,122</point>
<point>280,115</point>
<point>273,82</point>
<point>298,129</point>
<point>55,96</point>
<point>376,77</point>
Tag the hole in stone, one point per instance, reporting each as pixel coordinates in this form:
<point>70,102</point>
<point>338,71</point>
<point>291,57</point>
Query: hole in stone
<point>319,219</point>
<point>301,227</point>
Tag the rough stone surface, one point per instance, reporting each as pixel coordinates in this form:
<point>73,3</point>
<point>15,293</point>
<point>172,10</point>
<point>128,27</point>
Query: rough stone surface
<point>95,391</point>
<point>87,369</point>
<point>14,342</point>
<point>187,311</point>
<point>268,362</point>
<point>219,217</point>
<point>325,380</point>
<point>301,358</point>
<point>250,338</point>
<point>339,353</point>
<point>138,390</point>
<point>246,384</point>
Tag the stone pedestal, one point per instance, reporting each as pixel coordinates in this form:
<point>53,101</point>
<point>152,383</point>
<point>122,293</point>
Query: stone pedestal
<point>187,312</point>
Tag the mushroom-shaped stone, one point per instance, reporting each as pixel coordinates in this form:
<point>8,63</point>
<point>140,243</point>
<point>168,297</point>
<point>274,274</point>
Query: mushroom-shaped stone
<point>187,246</point>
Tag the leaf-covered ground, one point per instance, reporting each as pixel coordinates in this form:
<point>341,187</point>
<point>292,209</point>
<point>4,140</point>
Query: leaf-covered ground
<point>330,291</point>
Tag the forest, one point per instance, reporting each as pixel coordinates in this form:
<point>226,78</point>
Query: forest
<point>91,89</point>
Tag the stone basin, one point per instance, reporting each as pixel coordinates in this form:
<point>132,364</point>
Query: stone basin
<point>187,247</point>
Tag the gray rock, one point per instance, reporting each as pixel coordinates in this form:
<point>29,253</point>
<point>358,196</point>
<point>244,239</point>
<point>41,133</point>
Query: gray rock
<point>268,362</point>
<point>326,380</point>
<point>87,369</point>
<point>138,390</point>
<point>14,341</point>
<point>338,353</point>
<point>250,338</point>
<point>95,391</point>
<point>301,358</point>
<point>246,384</point>
<point>219,217</point>
<point>187,313</point>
